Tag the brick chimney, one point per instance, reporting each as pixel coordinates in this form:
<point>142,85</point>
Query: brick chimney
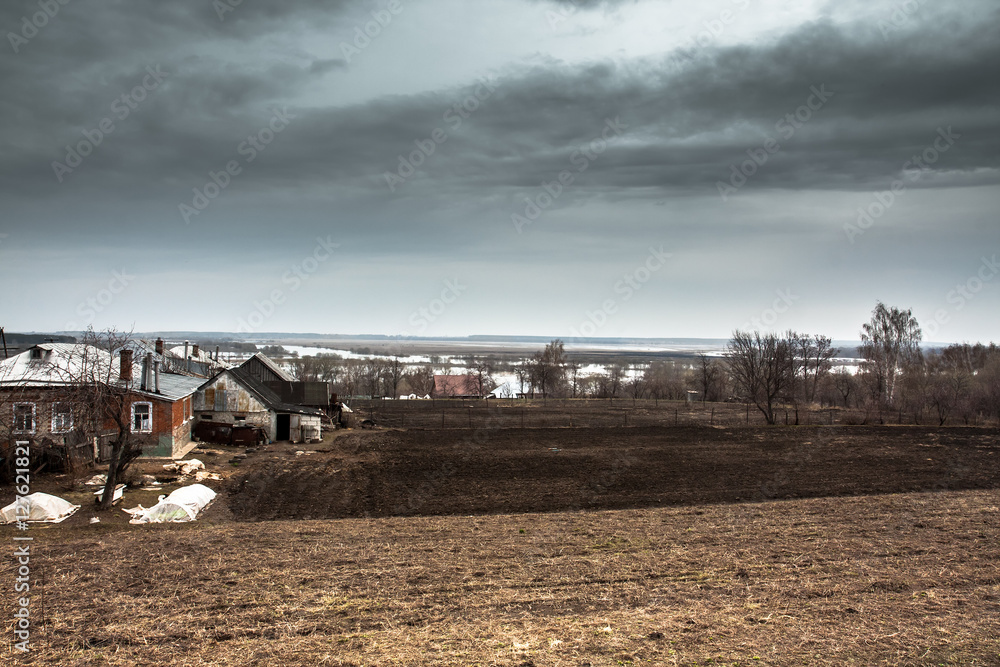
<point>159,346</point>
<point>125,370</point>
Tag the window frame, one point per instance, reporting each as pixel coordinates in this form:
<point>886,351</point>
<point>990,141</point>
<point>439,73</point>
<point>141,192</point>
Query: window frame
<point>69,410</point>
<point>34,420</point>
<point>149,427</point>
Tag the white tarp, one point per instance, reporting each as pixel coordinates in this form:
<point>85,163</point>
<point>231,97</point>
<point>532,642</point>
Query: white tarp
<point>184,467</point>
<point>181,505</point>
<point>39,507</point>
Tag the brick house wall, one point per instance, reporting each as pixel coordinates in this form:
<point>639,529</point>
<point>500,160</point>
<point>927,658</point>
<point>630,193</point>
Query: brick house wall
<point>171,420</point>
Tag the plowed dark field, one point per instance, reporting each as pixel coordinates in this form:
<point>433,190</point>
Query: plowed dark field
<point>398,473</point>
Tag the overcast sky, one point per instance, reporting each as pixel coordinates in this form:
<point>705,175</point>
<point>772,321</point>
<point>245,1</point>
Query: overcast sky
<point>713,159</point>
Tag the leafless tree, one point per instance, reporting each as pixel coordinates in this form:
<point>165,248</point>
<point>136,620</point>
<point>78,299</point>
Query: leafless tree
<point>818,362</point>
<point>710,378</point>
<point>394,370</point>
<point>573,370</point>
<point>523,372</point>
<point>373,371</point>
<point>760,368</point>
<point>420,380</point>
<point>949,386</point>
<point>548,367</point>
<point>616,376</point>
<point>844,382</point>
<point>635,384</point>
<point>105,397</point>
<point>890,340</point>
<point>481,370</point>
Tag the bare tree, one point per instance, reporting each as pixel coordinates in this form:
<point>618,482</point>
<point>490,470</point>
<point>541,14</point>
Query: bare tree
<point>635,384</point>
<point>615,379</point>
<point>760,368</point>
<point>549,367</point>
<point>106,393</point>
<point>481,370</point>
<point>949,386</point>
<point>394,370</point>
<point>523,372</point>
<point>420,380</point>
<point>574,376</point>
<point>888,341</point>
<point>710,376</point>
<point>818,362</point>
<point>844,382</point>
<point>353,377</point>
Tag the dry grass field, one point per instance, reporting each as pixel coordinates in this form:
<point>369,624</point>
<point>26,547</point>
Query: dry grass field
<point>663,547</point>
<point>910,579</point>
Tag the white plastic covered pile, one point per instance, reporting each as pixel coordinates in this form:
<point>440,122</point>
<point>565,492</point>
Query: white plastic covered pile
<point>39,507</point>
<point>181,505</point>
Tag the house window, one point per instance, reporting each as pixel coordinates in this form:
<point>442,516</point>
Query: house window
<point>62,417</point>
<point>142,417</point>
<point>24,418</point>
<point>220,400</point>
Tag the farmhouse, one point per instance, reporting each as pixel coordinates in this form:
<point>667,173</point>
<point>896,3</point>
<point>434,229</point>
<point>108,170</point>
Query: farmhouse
<point>41,400</point>
<point>236,396</point>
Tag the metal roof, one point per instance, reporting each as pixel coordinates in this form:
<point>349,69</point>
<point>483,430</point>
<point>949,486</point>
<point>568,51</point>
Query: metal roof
<point>275,368</point>
<point>266,396</point>
<point>60,364</point>
<point>175,387</point>
<point>66,364</point>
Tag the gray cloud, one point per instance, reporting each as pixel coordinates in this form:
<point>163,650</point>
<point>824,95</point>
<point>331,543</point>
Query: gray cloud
<point>690,115</point>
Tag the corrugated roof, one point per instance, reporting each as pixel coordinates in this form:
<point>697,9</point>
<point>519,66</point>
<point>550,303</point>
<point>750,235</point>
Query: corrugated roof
<point>175,387</point>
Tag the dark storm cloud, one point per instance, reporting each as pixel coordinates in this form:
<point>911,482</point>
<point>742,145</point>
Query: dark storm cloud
<point>690,115</point>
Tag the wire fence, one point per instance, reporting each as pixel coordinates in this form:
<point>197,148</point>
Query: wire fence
<point>620,413</point>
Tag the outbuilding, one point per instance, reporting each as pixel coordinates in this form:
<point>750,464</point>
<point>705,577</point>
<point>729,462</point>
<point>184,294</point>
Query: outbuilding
<point>236,397</point>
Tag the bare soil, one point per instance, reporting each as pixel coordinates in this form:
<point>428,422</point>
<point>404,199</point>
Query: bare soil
<point>387,473</point>
<point>859,546</point>
<point>891,580</point>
